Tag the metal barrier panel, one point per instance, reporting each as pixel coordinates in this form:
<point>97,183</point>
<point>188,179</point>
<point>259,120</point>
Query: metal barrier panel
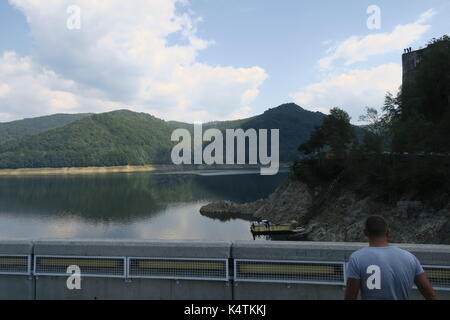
<point>439,277</point>
<point>178,268</point>
<point>285,271</point>
<point>15,264</point>
<point>103,267</point>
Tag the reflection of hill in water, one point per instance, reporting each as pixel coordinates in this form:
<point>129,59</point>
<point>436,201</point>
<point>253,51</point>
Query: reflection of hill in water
<point>240,188</point>
<point>121,197</point>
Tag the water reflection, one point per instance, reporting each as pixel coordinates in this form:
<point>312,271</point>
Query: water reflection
<point>136,205</point>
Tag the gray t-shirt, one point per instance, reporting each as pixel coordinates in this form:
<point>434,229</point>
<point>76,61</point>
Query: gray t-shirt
<point>386,273</point>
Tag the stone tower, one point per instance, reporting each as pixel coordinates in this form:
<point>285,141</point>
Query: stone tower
<point>410,61</point>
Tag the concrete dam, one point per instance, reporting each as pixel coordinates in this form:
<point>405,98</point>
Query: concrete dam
<point>191,270</point>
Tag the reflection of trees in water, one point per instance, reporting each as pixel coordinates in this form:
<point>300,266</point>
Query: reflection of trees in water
<point>241,188</point>
<point>112,197</point>
<point>121,197</point>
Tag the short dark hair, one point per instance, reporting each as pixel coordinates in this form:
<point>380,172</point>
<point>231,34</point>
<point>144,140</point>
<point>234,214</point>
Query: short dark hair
<point>376,226</point>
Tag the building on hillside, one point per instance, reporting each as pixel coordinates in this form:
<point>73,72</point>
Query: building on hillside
<point>410,60</point>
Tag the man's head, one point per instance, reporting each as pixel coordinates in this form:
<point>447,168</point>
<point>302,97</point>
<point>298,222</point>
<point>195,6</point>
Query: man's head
<point>376,227</point>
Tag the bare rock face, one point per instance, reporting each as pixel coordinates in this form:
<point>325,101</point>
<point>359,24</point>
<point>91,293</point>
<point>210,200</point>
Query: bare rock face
<point>291,201</point>
<point>340,217</point>
<point>444,232</point>
<point>226,210</point>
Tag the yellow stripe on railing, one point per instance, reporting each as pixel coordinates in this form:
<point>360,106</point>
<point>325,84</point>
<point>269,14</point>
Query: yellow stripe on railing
<point>90,263</point>
<point>285,269</point>
<point>438,273</point>
<point>180,265</point>
<point>13,261</point>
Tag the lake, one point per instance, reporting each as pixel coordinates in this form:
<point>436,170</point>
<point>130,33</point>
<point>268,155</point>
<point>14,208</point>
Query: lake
<point>143,205</point>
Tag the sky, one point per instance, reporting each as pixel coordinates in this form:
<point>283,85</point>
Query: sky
<point>206,60</point>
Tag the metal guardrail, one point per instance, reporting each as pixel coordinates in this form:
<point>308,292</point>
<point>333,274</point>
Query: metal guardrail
<point>178,268</point>
<point>104,267</point>
<point>203,269</point>
<point>288,271</point>
<point>15,264</point>
<point>133,267</point>
<point>439,277</point>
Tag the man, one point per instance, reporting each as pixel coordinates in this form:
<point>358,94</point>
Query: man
<point>384,272</point>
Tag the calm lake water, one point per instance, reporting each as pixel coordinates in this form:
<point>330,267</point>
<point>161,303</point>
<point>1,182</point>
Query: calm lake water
<point>128,205</point>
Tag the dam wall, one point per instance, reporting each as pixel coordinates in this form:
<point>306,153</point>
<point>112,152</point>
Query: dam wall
<point>190,270</point>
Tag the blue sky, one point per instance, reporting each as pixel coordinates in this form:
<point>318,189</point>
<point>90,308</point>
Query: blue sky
<point>203,60</point>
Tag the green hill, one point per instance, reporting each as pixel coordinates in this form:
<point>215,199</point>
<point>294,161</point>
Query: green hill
<point>223,125</point>
<point>108,139</point>
<point>128,138</point>
<point>295,124</point>
<point>28,127</point>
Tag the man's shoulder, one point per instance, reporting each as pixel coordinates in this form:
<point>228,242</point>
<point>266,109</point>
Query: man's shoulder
<point>369,249</point>
<point>359,253</point>
<point>407,255</point>
<point>388,250</point>
<point>402,251</point>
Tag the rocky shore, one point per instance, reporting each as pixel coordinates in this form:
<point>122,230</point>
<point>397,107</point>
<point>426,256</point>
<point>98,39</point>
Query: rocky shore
<point>339,216</point>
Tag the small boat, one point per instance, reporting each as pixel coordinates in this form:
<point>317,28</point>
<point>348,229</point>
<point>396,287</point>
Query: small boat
<point>266,227</point>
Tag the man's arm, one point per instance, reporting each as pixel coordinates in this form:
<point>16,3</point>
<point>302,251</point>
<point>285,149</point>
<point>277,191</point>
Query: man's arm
<point>425,287</point>
<point>352,290</point>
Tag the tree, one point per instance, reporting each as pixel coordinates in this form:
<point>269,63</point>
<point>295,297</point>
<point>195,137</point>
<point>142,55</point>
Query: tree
<point>338,131</point>
<point>315,143</point>
<point>373,121</point>
<point>375,130</point>
<point>335,132</point>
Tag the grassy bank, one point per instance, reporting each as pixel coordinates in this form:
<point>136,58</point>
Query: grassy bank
<point>70,171</point>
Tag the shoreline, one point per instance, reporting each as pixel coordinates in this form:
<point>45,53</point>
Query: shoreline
<point>74,170</point>
<point>119,169</point>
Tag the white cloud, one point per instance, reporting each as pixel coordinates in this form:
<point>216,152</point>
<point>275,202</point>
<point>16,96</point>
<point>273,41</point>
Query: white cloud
<point>4,89</point>
<point>352,91</point>
<point>32,90</point>
<point>356,49</point>
<point>123,56</point>
<point>355,89</point>
<point>217,92</point>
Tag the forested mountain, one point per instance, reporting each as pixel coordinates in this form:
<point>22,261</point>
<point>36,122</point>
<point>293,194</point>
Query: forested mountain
<point>294,122</point>
<point>108,139</point>
<point>129,138</point>
<point>27,127</point>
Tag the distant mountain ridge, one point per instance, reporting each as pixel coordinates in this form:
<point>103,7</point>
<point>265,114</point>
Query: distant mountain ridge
<point>128,138</point>
<point>108,139</point>
<point>294,122</point>
<point>27,127</point>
